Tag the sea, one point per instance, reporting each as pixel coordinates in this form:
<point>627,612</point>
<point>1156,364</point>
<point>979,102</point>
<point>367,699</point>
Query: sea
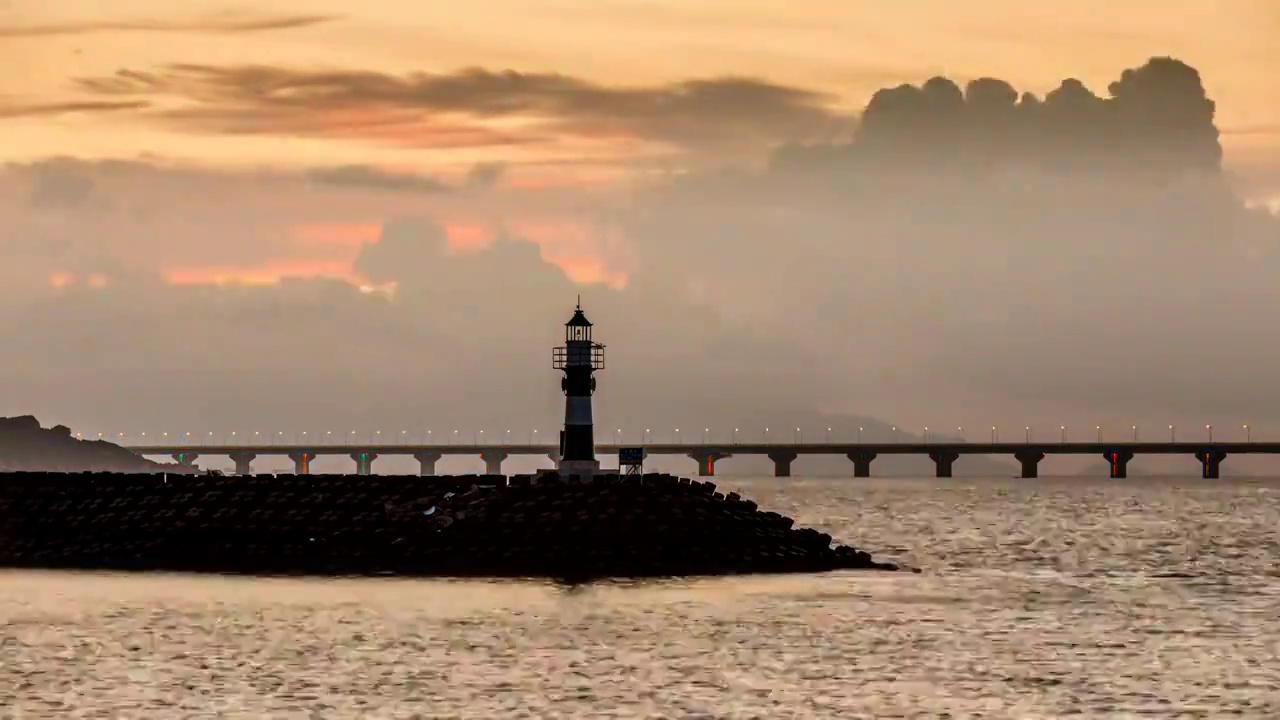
<point>1045,598</point>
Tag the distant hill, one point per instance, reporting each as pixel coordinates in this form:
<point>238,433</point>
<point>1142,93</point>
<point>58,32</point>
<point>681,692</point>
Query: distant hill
<point>25,446</point>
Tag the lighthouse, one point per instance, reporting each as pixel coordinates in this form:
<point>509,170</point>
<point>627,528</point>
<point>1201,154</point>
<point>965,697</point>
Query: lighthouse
<point>578,358</point>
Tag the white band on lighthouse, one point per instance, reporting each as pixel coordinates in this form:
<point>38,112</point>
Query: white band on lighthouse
<point>577,410</point>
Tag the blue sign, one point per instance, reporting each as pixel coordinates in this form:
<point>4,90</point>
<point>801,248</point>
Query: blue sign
<point>630,456</point>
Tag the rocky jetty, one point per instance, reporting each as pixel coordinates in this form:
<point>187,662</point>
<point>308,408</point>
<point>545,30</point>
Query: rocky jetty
<point>26,446</point>
<point>470,526</point>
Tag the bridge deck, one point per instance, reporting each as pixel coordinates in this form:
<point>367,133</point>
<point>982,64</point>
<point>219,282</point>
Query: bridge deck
<point>904,448</point>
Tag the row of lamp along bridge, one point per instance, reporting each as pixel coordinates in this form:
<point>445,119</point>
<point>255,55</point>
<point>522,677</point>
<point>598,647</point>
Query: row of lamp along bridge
<point>303,447</point>
<point>477,437</point>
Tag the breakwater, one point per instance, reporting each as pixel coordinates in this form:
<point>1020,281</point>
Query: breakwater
<point>461,526</point>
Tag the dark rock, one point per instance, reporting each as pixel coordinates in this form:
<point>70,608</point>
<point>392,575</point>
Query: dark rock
<point>448,526</point>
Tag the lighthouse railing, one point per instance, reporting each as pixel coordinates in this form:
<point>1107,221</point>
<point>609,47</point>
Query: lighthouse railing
<point>567,357</point>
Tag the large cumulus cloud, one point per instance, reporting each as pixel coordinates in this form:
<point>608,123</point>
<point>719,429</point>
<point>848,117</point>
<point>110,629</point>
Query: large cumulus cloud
<point>1075,254</point>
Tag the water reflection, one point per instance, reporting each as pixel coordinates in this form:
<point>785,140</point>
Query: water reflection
<point>1039,599</point>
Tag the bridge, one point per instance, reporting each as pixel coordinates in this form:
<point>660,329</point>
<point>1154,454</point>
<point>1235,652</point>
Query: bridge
<point>944,454</point>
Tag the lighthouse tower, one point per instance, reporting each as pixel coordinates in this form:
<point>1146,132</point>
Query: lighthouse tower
<point>578,358</point>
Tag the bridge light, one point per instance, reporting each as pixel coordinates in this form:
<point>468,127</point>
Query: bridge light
<point>1209,429</point>
<point>1247,437</point>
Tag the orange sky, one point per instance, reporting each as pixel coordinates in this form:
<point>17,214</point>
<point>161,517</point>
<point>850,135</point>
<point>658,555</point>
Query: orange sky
<point>845,47</point>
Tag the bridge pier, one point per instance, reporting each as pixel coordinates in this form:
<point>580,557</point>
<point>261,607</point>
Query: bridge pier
<point>185,458</point>
<point>364,461</point>
<point>302,462</point>
<point>427,462</point>
<point>707,461</point>
<point>1030,460</point>
<point>243,461</point>
<point>782,462</point>
<point>493,461</point>
<point>862,462</point>
<point>943,460</point>
<point>1211,463</point>
<point>1119,460</point>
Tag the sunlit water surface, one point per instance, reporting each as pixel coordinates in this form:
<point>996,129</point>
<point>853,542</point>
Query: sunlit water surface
<point>1039,599</point>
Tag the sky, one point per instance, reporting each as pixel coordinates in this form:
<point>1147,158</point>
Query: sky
<point>297,213</point>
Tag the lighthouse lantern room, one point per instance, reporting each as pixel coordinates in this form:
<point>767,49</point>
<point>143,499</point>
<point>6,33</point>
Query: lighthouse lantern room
<point>578,358</point>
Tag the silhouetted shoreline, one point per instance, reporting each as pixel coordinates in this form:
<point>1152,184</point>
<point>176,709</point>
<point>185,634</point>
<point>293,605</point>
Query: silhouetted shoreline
<point>25,446</point>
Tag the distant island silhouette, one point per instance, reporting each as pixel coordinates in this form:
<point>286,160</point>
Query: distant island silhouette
<point>25,446</point>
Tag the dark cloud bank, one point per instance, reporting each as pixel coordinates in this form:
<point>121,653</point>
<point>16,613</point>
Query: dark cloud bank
<point>223,23</point>
<point>699,113</point>
<point>968,256</point>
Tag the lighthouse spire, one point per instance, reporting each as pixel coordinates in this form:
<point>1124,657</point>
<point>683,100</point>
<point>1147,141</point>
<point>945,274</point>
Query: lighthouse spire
<point>578,358</point>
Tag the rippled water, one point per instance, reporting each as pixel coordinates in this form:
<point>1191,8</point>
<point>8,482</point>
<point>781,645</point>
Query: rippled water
<point>1039,599</point>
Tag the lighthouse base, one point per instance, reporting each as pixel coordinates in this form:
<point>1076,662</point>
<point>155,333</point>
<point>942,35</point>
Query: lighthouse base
<point>580,470</point>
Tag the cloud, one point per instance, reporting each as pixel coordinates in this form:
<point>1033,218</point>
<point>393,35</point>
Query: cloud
<point>1157,117</point>
<point>362,176</point>
<point>485,175</point>
<point>193,224</point>
<point>406,249</point>
<point>229,24</point>
<point>28,110</point>
<point>698,113</point>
